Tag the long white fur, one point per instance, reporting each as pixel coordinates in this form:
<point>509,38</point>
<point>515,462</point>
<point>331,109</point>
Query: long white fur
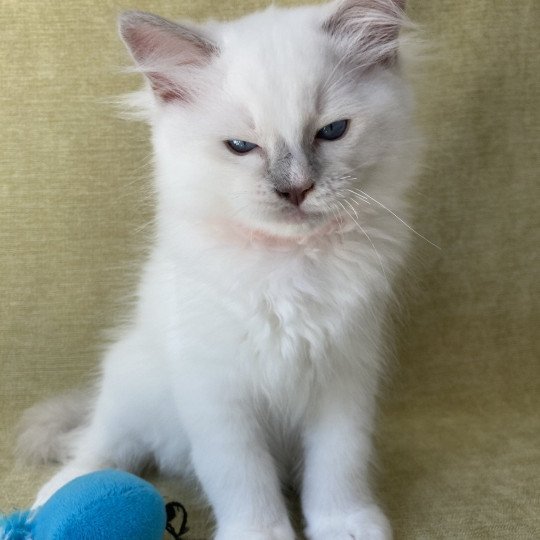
<point>257,343</point>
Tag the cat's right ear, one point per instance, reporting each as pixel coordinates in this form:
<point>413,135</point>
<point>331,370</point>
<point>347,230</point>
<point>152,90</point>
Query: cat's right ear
<point>167,53</point>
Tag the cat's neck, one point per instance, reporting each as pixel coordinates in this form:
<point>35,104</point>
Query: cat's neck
<point>224,233</point>
<point>237,234</point>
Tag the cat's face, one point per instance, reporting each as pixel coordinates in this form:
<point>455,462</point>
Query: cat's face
<point>273,122</point>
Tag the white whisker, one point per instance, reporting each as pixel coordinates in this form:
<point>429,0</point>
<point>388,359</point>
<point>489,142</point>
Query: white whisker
<point>338,216</point>
<point>352,208</point>
<point>332,208</point>
<point>369,239</point>
<point>356,200</point>
<point>401,220</point>
<point>363,197</point>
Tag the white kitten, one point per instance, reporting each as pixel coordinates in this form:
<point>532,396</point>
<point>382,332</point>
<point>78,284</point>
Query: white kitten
<point>282,140</point>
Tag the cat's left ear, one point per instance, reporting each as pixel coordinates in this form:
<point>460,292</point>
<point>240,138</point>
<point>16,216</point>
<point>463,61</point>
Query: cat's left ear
<point>367,30</point>
<point>167,53</point>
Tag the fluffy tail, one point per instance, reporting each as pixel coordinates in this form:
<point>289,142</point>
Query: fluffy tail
<point>47,430</point>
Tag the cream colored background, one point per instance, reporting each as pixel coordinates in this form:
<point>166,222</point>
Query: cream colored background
<point>460,433</point>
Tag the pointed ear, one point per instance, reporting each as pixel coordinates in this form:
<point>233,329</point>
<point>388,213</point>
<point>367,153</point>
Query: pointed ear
<point>368,29</point>
<point>166,52</point>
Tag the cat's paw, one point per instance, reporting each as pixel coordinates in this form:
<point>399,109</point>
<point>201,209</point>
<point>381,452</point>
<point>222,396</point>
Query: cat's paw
<point>281,531</point>
<point>47,491</point>
<point>59,480</point>
<point>367,523</point>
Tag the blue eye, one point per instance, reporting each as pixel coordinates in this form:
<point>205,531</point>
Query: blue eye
<point>240,147</point>
<point>333,131</point>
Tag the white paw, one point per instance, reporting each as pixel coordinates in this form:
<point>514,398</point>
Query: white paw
<point>59,480</point>
<point>367,523</point>
<point>46,492</point>
<point>282,531</point>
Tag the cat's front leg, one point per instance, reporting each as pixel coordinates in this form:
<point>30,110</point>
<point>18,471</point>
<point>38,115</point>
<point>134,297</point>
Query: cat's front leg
<point>238,474</point>
<point>336,497</point>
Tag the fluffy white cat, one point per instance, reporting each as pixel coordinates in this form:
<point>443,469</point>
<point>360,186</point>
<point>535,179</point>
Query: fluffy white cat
<point>284,148</point>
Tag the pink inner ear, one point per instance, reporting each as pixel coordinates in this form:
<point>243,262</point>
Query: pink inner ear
<point>161,48</point>
<point>166,89</point>
<point>371,27</point>
<point>150,44</point>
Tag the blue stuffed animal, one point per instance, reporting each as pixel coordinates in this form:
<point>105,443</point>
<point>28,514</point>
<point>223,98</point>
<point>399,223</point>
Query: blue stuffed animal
<point>104,505</point>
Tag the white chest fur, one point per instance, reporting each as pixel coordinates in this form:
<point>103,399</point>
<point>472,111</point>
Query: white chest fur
<point>276,319</point>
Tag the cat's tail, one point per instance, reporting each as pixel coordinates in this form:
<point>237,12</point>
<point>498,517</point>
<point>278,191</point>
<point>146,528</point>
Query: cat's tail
<point>47,430</point>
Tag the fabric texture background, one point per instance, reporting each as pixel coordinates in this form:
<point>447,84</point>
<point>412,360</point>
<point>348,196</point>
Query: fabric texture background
<point>459,438</point>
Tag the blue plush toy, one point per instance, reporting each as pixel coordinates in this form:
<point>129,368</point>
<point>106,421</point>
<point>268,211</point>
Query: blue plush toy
<point>105,505</point>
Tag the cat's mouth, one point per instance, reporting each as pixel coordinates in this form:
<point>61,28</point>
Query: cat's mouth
<point>299,222</point>
<point>296,214</point>
<point>279,223</point>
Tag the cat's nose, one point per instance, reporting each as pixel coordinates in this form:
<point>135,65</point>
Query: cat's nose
<point>295,195</point>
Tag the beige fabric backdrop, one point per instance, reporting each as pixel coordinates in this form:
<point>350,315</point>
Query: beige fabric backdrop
<point>460,433</point>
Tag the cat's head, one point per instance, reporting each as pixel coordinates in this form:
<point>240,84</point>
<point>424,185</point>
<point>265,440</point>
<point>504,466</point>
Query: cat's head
<point>278,121</point>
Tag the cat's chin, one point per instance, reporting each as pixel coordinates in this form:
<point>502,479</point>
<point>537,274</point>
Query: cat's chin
<point>288,231</point>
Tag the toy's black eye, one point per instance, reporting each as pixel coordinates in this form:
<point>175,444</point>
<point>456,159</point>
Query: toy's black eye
<point>333,131</point>
<point>240,147</point>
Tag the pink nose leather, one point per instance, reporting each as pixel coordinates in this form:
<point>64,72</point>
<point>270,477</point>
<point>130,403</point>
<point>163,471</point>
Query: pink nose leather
<point>295,195</point>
